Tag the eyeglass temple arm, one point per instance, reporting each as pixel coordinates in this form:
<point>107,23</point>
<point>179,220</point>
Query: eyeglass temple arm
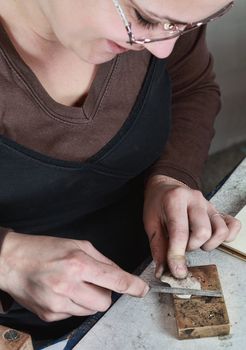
<point>217,14</point>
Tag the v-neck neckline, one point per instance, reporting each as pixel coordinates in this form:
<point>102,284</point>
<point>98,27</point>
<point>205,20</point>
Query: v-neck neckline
<point>83,113</point>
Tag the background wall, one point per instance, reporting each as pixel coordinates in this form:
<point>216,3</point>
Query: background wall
<point>227,42</point>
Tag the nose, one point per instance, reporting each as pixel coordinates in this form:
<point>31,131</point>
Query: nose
<point>161,49</point>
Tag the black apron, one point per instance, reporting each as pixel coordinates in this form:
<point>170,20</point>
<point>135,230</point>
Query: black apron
<point>99,200</point>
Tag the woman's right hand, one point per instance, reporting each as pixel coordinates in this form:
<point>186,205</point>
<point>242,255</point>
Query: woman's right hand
<point>56,278</point>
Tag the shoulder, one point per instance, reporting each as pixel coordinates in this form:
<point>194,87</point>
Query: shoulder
<point>188,45</point>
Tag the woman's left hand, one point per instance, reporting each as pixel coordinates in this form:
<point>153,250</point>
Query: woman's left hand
<point>179,219</point>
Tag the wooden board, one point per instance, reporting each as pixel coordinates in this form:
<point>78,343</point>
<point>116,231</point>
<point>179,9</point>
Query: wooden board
<point>11,339</point>
<point>200,317</point>
<point>237,247</point>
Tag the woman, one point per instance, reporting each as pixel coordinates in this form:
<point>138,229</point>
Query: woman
<point>85,116</point>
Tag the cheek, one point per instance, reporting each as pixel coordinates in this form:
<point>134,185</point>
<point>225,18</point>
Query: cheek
<point>161,49</point>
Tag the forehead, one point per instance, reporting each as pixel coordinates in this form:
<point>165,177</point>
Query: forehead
<point>186,10</point>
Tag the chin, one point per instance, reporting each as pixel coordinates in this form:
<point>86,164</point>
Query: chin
<point>164,50</point>
<point>95,58</point>
<point>98,60</point>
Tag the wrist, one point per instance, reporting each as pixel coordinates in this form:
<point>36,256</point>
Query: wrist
<point>155,179</point>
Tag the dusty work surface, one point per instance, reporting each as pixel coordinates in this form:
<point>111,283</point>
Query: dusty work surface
<point>148,324</point>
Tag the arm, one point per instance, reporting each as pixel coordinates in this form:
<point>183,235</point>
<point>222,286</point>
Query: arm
<point>5,300</point>
<point>56,277</point>
<point>176,216</point>
<point>195,104</point>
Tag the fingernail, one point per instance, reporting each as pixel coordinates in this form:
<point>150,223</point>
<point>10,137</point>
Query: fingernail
<point>146,289</point>
<point>159,270</point>
<point>181,271</point>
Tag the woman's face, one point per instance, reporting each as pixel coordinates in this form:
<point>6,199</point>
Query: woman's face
<point>95,32</point>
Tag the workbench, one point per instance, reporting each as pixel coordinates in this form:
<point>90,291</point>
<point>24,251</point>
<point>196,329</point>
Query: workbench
<point>149,323</point>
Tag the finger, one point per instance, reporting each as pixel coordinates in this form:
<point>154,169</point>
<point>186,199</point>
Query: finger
<point>158,245</point>
<point>234,226</point>
<point>220,232</point>
<point>63,306</point>
<point>178,231</point>
<point>52,311</point>
<point>91,297</point>
<point>200,228</point>
<point>75,309</point>
<point>177,265</point>
<point>58,316</point>
<point>114,278</point>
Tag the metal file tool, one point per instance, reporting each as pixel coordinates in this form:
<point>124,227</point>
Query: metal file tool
<point>160,287</point>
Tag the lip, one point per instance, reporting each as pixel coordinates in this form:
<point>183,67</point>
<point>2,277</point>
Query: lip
<point>115,48</point>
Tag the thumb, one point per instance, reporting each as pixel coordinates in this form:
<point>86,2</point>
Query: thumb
<point>177,265</point>
<point>178,232</point>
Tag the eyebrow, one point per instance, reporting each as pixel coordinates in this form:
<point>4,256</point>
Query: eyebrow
<point>151,14</point>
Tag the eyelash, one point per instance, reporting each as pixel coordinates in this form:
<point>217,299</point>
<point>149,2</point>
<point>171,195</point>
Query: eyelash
<point>143,22</point>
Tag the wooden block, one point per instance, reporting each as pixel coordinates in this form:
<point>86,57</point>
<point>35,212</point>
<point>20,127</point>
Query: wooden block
<point>10,339</point>
<point>200,317</point>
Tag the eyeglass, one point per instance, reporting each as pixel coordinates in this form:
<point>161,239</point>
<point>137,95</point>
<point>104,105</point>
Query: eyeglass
<point>170,30</point>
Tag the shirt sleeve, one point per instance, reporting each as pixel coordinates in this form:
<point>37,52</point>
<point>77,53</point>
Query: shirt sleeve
<point>195,104</point>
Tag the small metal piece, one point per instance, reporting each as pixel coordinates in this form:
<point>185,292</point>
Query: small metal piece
<point>156,287</point>
<point>11,335</point>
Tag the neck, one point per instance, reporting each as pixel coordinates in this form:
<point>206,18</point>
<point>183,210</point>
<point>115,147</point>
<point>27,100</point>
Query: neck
<point>26,16</point>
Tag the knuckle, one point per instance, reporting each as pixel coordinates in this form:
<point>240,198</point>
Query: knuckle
<point>47,316</point>
<point>199,196</point>
<point>52,304</point>
<point>212,207</point>
<point>169,197</point>
<point>204,234</point>
<point>237,224</point>
<point>199,200</point>
<point>122,284</point>
<point>90,312</point>
<point>105,304</point>
<point>63,289</point>
<point>57,285</point>
<point>151,224</point>
<point>207,248</point>
<point>221,234</point>
<point>87,246</point>
<point>193,245</point>
<point>229,239</point>
<point>174,194</point>
<point>175,228</point>
<point>76,263</point>
<point>55,307</point>
<point>63,286</point>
